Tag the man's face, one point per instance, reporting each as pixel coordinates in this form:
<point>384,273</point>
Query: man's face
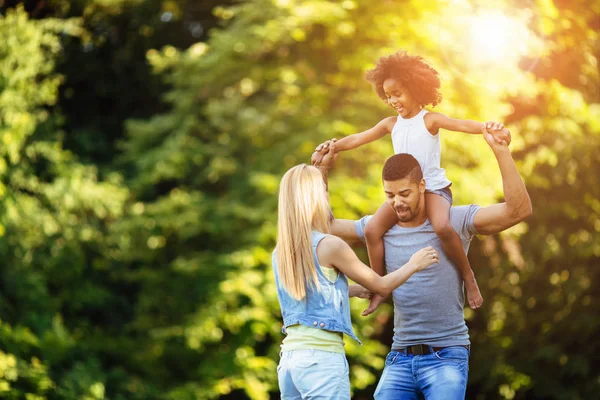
<point>404,197</point>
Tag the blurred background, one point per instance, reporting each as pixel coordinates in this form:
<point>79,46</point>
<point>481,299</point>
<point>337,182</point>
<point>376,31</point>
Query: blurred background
<point>141,146</point>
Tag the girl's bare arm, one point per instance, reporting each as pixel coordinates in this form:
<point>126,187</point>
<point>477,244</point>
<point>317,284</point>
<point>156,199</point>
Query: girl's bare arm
<point>434,121</point>
<point>383,128</point>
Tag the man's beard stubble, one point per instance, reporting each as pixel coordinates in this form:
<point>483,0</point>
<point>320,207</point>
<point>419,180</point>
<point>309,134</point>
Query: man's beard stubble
<point>411,214</point>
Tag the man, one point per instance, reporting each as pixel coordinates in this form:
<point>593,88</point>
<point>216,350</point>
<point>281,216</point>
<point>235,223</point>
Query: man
<point>431,347</point>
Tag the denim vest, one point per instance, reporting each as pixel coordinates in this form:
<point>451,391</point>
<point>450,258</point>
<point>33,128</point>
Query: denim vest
<point>327,309</point>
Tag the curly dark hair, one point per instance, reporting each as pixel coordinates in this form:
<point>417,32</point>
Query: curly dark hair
<point>400,166</point>
<point>420,78</point>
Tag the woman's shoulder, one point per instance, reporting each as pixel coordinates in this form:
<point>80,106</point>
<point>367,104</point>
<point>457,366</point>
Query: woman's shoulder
<point>331,240</point>
<point>330,246</point>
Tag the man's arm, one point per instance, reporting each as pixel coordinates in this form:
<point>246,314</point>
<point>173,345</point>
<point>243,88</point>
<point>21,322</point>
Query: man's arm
<point>517,205</point>
<point>345,229</point>
<point>356,290</point>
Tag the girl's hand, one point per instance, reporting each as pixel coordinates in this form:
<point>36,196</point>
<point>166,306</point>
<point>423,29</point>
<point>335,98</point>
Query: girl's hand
<point>493,128</point>
<point>325,144</point>
<point>325,157</point>
<point>424,258</point>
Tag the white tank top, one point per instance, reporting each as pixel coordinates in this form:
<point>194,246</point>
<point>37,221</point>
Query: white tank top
<point>411,136</point>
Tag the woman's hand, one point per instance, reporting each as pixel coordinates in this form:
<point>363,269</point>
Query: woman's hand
<point>424,258</point>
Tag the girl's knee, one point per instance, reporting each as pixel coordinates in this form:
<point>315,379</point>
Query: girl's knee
<point>443,229</point>
<point>373,233</point>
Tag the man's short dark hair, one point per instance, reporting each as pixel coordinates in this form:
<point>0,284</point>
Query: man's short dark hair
<point>401,166</point>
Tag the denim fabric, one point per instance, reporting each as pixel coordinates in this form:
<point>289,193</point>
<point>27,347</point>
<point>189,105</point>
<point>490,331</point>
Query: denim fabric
<point>327,308</point>
<point>313,374</point>
<point>440,375</point>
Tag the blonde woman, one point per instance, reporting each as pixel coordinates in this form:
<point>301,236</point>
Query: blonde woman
<point>311,270</point>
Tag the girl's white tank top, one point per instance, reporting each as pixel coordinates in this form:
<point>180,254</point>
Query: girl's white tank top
<point>411,136</point>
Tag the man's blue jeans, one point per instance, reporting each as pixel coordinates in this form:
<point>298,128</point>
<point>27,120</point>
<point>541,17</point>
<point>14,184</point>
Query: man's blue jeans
<point>438,375</point>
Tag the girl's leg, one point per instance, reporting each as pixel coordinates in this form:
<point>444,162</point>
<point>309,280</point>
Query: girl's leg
<point>381,222</point>
<point>438,212</point>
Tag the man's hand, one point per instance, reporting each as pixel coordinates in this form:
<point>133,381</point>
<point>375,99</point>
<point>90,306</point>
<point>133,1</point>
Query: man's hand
<point>376,300</point>
<point>499,132</point>
<point>359,291</point>
<point>325,157</point>
<point>492,141</point>
<point>517,204</point>
<point>502,135</point>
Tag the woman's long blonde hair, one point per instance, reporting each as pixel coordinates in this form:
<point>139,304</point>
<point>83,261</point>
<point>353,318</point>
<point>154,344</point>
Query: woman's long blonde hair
<point>303,207</point>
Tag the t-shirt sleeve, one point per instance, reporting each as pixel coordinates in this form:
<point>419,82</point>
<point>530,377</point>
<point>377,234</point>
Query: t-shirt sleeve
<point>360,226</point>
<point>462,218</point>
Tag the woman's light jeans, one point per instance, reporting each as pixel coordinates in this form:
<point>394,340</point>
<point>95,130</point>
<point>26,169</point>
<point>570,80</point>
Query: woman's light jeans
<point>313,374</point>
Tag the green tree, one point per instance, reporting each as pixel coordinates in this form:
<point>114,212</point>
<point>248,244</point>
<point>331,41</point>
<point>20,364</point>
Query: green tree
<point>278,78</point>
<point>542,321</point>
<point>53,216</point>
<point>159,284</point>
<point>106,78</point>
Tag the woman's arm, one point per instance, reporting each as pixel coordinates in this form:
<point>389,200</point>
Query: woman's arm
<point>358,139</point>
<point>334,252</point>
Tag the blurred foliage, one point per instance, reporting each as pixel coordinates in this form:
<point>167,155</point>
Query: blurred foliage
<point>106,78</point>
<point>142,145</point>
<point>53,221</point>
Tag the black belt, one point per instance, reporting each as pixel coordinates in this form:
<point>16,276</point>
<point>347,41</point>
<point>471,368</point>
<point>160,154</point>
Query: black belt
<point>421,349</point>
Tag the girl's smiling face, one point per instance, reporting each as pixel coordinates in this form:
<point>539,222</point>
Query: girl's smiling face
<point>400,99</point>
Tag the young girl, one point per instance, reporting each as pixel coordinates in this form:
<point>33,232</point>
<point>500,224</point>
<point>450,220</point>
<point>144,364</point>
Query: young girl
<point>407,84</point>
<point>311,270</point>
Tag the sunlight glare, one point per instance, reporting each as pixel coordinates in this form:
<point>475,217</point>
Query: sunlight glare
<point>495,37</point>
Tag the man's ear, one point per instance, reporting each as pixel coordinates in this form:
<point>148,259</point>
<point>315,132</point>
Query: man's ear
<point>422,186</point>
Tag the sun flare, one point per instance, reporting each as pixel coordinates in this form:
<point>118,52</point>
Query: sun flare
<point>495,37</point>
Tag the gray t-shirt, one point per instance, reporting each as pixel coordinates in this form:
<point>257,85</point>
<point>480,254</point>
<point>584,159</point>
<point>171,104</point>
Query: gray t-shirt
<point>428,307</point>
